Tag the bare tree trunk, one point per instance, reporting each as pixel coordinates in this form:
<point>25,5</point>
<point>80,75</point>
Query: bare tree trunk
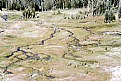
<point>92,6</point>
<point>63,2</point>
<point>119,3</point>
<point>119,7</point>
<point>119,10</point>
<point>6,5</point>
<point>88,5</point>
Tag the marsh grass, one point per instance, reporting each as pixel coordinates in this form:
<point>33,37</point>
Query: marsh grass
<point>57,46</point>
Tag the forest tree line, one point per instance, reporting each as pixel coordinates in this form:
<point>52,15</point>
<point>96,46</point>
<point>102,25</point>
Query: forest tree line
<point>57,4</point>
<point>97,7</point>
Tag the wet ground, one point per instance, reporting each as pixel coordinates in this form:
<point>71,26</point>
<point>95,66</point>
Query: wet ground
<point>52,48</point>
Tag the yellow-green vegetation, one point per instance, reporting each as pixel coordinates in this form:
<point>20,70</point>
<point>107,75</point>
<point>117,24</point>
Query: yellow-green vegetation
<point>51,48</point>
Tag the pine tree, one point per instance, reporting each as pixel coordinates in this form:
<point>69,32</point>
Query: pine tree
<point>119,10</point>
<point>0,5</point>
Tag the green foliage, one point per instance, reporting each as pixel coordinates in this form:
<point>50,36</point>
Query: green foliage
<point>0,6</point>
<point>18,6</point>
<point>72,17</point>
<point>29,13</point>
<point>109,16</point>
<point>119,13</point>
<point>73,3</point>
<point>10,36</point>
<point>43,5</point>
<point>59,12</point>
<point>80,12</point>
<point>48,5</point>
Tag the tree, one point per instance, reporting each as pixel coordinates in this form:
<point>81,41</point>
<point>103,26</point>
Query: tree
<point>119,10</point>
<point>73,4</point>
<point>0,5</point>
<point>106,19</point>
<point>109,16</point>
<point>48,4</point>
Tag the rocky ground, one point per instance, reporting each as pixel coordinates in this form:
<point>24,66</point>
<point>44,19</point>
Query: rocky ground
<point>51,48</point>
